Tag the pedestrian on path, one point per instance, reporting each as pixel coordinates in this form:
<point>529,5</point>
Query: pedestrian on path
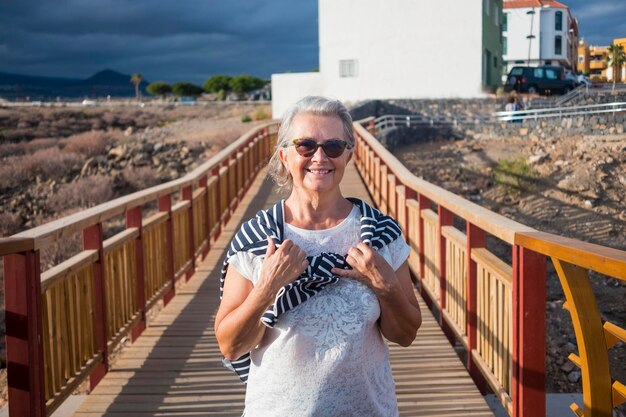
<point>311,287</point>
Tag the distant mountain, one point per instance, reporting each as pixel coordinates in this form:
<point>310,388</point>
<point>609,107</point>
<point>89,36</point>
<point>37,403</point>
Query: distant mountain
<point>99,85</point>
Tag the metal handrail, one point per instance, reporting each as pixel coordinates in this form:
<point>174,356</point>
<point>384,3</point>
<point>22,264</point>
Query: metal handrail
<point>418,120</point>
<point>561,112</point>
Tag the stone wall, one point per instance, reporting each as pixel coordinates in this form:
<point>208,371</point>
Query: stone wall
<point>595,124</point>
<point>598,124</point>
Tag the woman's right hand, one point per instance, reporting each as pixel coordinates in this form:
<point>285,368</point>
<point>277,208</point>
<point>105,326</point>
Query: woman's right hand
<point>281,266</point>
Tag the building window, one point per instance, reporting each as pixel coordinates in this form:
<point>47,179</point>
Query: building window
<point>505,45</point>
<point>505,22</point>
<point>487,6</point>
<point>348,68</point>
<point>496,15</point>
<point>495,62</point>
<point>558,47</point>
<point>558,21</point>
<point>581,59</point>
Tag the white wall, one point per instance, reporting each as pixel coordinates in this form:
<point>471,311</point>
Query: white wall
<point>518,29</point>
<point>404,49</point>
<point>289,88</point>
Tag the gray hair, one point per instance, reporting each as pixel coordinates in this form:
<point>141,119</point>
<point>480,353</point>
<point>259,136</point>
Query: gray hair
<point>320,106</point>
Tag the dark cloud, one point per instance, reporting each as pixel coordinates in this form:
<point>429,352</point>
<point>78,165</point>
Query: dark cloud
<point>599,21</point>
<point>193,39</point>
<point>172,41</point>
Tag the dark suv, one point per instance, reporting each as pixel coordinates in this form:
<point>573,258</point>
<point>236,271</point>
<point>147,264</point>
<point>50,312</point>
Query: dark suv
<point>544,79</point>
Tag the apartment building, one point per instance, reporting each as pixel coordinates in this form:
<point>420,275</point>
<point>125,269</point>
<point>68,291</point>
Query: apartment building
<point>592,61</point>
<point>539,32</point>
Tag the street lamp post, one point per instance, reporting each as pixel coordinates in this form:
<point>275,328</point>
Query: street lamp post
<point>530,37</point>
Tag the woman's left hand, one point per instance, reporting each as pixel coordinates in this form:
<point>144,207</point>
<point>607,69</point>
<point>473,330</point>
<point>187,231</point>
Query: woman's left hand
<point>400,315</point>
<point>369,268</point>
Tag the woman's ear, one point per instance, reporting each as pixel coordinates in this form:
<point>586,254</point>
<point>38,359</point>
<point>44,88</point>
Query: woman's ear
<point>282,154</point>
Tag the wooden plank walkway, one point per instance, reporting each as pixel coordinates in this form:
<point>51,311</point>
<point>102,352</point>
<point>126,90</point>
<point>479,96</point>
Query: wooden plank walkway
<point>174,368</point>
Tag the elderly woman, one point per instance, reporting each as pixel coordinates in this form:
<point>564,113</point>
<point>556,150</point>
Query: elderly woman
<point>311,286</point>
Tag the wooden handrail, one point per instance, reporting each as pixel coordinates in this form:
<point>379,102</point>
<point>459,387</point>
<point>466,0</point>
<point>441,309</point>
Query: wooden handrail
<point>586,255</point>
<point>49,232</point>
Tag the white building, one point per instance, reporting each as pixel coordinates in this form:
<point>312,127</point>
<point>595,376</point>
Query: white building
<point>372,49</point>
<point>538,32</point>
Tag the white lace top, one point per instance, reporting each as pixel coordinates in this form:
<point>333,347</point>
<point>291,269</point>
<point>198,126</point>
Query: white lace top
<point>326,357</point>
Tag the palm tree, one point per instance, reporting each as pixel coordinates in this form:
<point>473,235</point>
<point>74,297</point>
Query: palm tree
<point>615,58</point>
<point>136,79</point>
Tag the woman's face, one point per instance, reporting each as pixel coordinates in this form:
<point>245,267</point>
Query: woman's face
<point>319,172</point>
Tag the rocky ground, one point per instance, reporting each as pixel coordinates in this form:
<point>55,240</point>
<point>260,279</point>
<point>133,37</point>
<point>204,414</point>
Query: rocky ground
<point>574,186</point>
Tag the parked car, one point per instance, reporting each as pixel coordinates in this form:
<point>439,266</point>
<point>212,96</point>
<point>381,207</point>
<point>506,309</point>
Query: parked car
<point>544,79</point>
<point>583,80</point>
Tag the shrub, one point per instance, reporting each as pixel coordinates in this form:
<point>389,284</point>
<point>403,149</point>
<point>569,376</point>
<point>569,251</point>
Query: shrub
<point>11,149</point>
<point>89,143</point>
<point>10,223</point>
<point>246,118</point>
<point>217,83</point>
<point>86,192</point>
<point>12,172</point>
<point>159,88</point>
<point>187,89</point>
<point>52,163</point>
<point>260,114</point>
<point>140,178</point>
<point>43,143</point>
<point>514,175</point>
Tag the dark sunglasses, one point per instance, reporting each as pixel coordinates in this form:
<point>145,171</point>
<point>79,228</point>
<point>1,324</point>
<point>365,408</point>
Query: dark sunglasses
<point>333,148</point>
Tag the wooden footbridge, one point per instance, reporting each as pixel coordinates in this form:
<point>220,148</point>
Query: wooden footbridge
<point>65,325</point>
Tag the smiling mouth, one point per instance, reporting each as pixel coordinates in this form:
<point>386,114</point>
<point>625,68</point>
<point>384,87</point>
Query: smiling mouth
<point>319,171</point>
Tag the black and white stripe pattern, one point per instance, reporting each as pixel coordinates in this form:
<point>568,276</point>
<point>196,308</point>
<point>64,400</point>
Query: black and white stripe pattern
<point>377,230</point>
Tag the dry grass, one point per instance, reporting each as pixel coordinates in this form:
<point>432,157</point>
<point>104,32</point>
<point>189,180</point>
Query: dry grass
<point>10,223</point>
<point>90,143</point>
<point>12,172</point>
<point>84,193</point>
<point>52,163</point>
<point>141,178</point>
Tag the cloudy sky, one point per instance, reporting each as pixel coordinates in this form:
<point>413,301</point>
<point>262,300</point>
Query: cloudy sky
<point>191,40</point>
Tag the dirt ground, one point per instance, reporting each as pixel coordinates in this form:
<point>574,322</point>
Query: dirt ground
<point>577,191</point>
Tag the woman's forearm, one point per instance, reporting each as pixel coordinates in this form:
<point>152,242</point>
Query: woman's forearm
<point>399,318</point>
<point>242,330</point>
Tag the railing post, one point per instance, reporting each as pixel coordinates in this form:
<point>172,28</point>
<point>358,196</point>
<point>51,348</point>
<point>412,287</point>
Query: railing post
<point>445,218</point>
<point>203,184</point>
<point>134,219</point>
<point>423,203</point>
<point>92,239</point>
<point>529,333</point>
<point>165,205</point>
<point>476,238</point>
<point>187,194</point>
<point>218,201</point>
<point>24,345</point>
<point>372,127</point>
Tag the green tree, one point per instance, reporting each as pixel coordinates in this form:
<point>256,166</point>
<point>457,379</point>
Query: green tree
<point>136,79</point>
<point>616,59</point>
<point>159,88</point>
<point>187,89</point>
<point>217,83</point>
<point>244,83</point>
